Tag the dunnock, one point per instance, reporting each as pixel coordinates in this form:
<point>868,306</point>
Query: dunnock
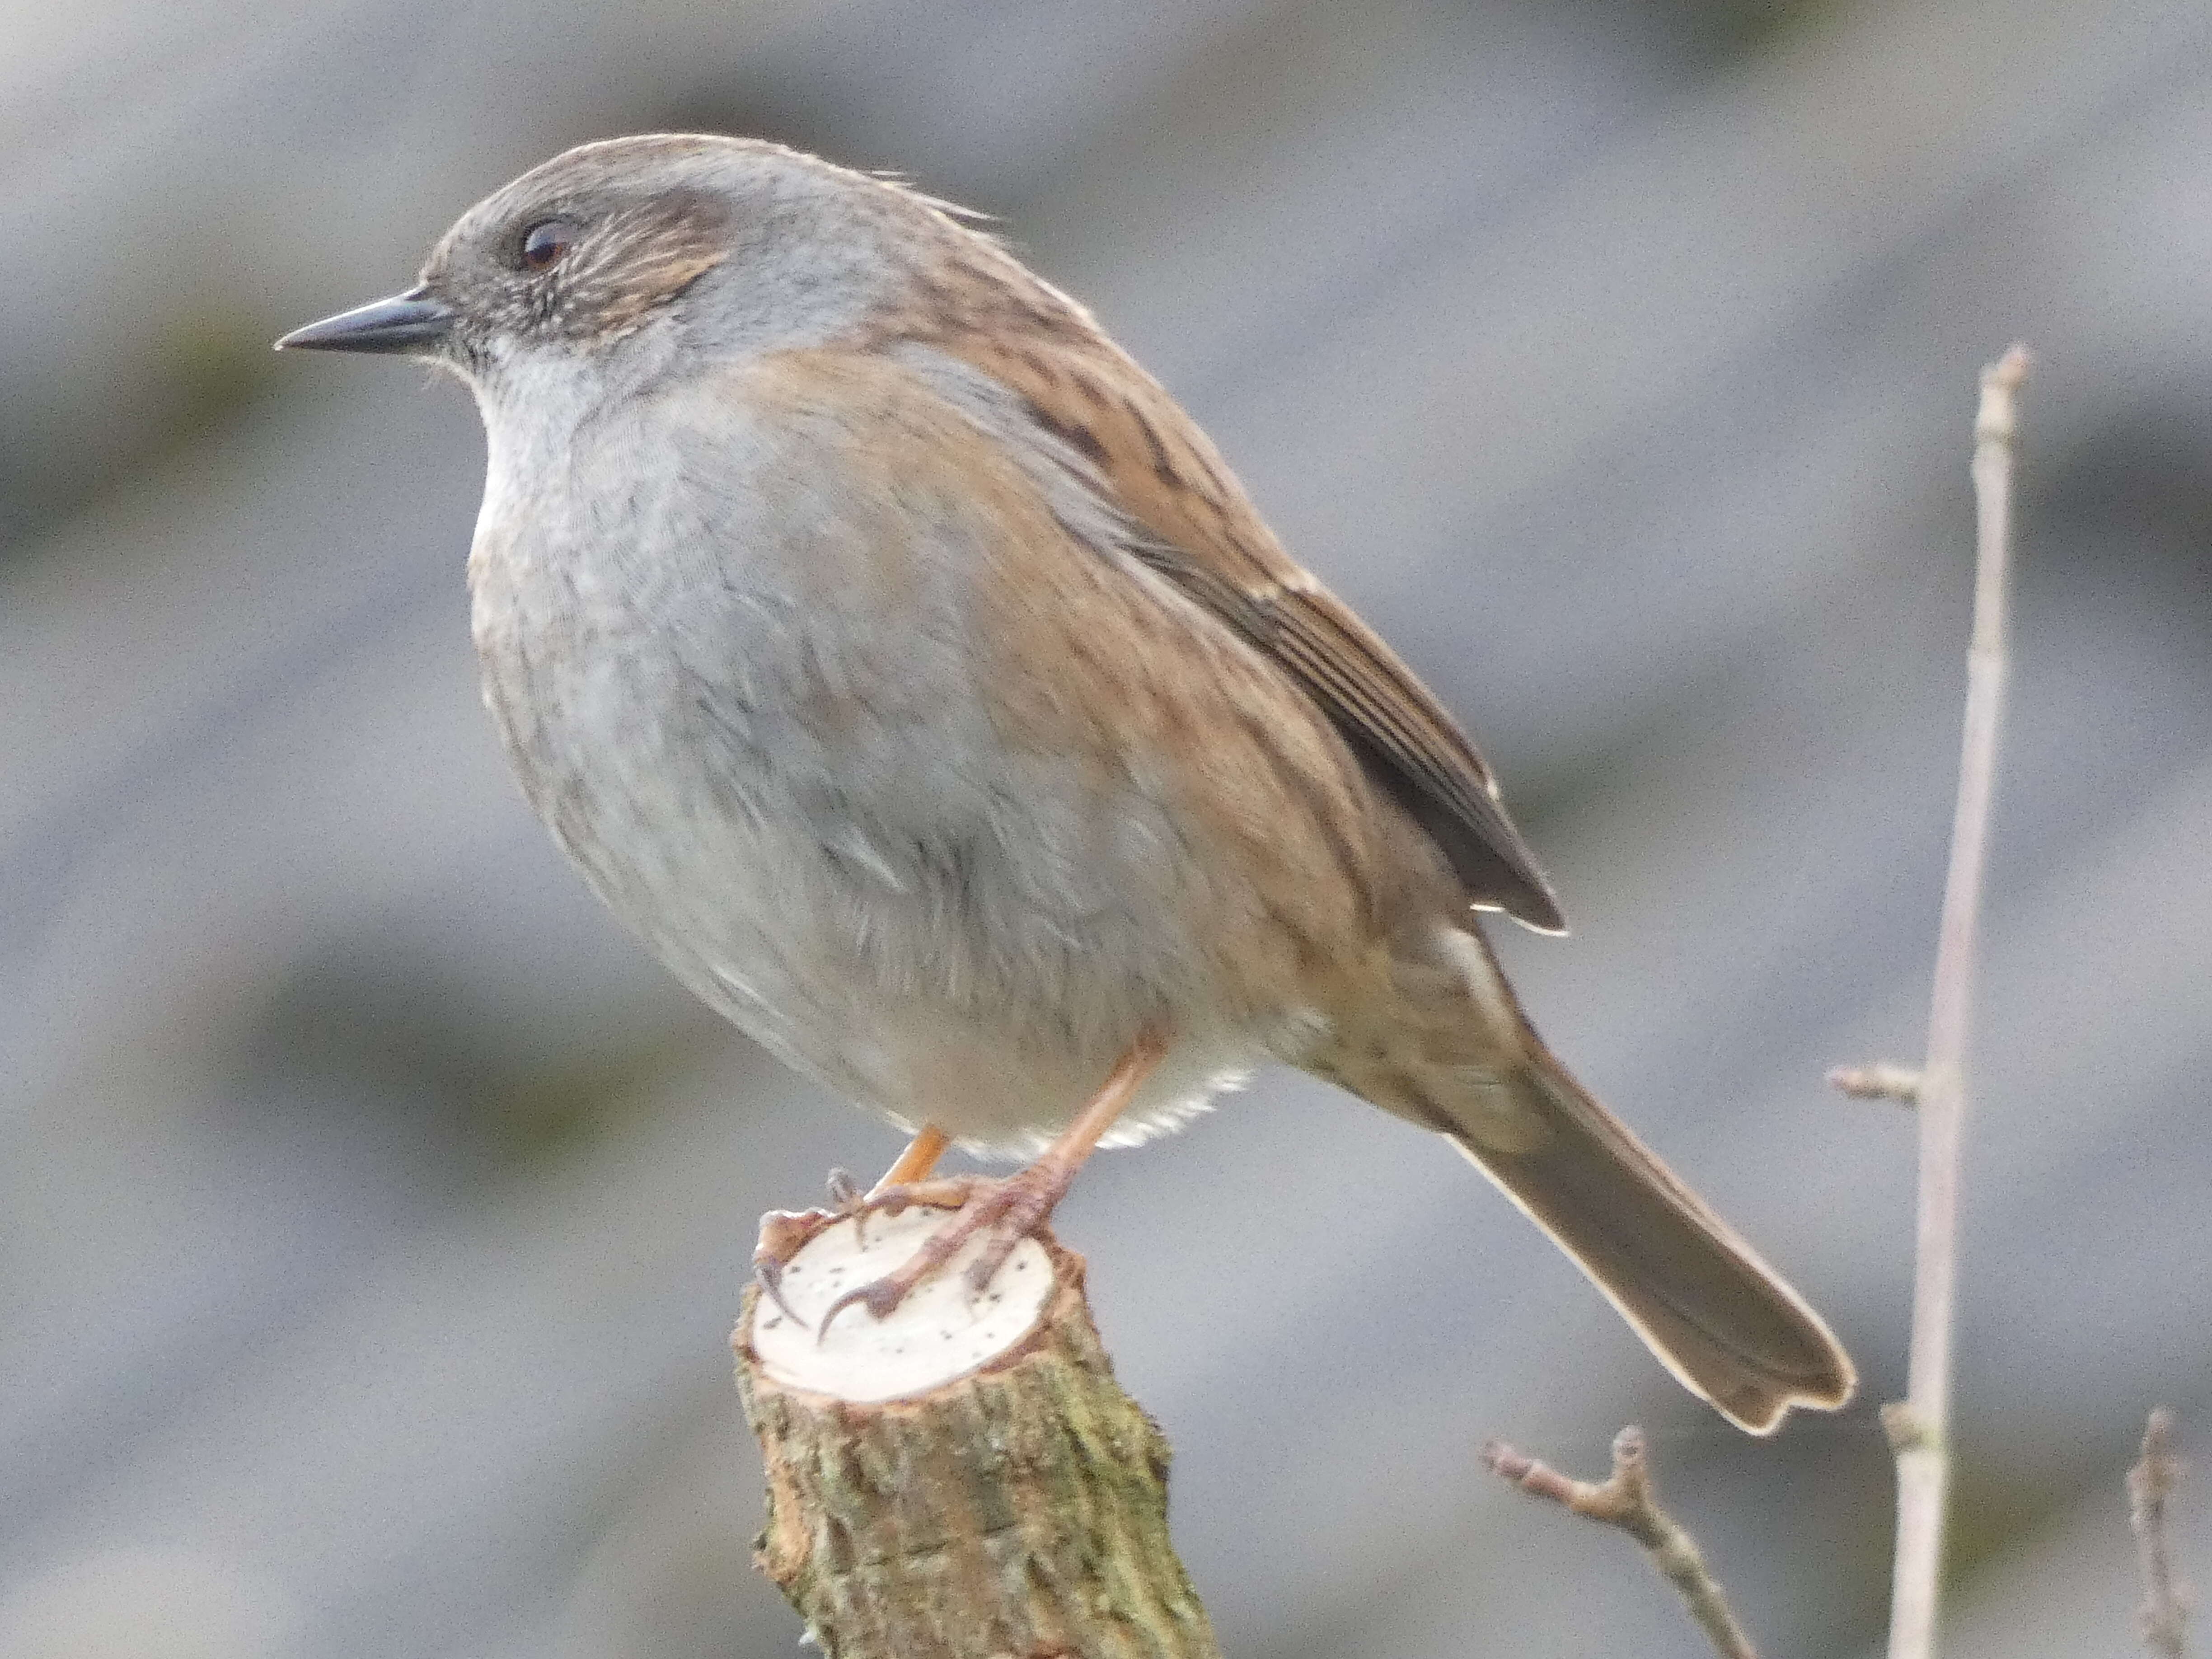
<point>905,667</point>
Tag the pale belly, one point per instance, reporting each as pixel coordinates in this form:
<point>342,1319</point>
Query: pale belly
<point>925,990</point>
<point>771,752</point>
<point>936,929</point>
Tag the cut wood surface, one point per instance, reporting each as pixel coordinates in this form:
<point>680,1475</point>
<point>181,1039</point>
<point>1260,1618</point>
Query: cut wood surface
<point>963,1479</point>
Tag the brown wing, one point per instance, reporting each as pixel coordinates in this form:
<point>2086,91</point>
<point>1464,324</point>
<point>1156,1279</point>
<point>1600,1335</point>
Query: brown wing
<point>1408,742</point>
<point>1202,534</point>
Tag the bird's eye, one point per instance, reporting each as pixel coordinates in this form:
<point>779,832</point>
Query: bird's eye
<point>545,242</point>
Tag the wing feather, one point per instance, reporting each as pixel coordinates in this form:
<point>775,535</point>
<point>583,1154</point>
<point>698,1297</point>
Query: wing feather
<point>1194,525</point>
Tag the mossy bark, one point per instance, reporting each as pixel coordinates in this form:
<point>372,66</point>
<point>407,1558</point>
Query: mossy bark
<point>1018,1511</point>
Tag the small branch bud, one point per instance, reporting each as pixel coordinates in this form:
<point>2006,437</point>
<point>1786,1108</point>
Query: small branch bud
<point>1883,1080</point>
<point>1905,1430</point>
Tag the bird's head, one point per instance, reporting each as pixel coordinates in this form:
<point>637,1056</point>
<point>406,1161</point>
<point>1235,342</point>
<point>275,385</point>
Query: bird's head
<point>629,260</point>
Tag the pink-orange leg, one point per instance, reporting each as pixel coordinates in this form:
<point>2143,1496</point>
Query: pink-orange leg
<point>1011,1207</point>
<point>916,1161</point>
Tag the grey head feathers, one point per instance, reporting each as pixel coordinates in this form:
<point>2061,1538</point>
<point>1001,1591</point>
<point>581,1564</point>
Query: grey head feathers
<point>722,247</point>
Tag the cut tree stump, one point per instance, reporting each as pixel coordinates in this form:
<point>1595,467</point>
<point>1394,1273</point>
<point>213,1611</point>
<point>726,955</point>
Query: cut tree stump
<point>964,1480</point>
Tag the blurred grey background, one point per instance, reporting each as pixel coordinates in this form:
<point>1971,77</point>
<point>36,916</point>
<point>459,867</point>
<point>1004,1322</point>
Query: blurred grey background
<point>372,1213</point>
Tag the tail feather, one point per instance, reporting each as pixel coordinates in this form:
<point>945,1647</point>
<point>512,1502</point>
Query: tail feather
<point>1723,1321</point>
<point>1452,1050</point>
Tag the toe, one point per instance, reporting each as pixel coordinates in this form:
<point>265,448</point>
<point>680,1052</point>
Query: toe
<point>782,1232</point>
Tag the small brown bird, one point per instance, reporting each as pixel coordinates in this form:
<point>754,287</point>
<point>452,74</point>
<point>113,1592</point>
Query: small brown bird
<point>902,664</point>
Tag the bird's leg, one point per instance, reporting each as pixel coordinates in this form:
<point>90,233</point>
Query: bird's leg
<point>891,1194</point>
<point>1010,1207</point>
<point>916,1161</point>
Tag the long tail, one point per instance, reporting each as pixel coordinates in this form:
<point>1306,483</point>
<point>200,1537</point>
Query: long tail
<point>1723,1321</point>
<point>1719,1318</point>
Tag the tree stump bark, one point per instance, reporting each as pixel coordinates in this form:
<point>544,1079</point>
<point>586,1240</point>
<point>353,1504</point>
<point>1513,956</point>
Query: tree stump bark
<point>965,1479</point>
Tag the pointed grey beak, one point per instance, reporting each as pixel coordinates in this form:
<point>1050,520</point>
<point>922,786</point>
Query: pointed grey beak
<point>406,322</point>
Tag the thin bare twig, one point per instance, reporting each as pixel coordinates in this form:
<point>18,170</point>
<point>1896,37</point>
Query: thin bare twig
<point>1627,1499</point>
<point>1920,1427</point>
<point>2150,1483</point>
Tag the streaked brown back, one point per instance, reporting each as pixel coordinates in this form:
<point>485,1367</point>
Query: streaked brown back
<point>1200,531</point>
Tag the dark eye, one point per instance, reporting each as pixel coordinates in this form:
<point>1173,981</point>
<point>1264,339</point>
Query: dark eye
<point>545,242</point>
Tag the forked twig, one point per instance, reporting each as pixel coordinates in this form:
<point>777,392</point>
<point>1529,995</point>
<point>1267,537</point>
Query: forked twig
<point>1626,1500</point>
<point>2164,1617</point>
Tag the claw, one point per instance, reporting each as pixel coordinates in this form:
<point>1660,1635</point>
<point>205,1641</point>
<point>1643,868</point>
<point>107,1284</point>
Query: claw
<point>880,1296</point>
<point>768,1275</point>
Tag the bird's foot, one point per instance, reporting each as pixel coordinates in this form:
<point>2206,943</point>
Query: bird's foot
<point>783,1233</point>
<point>1009,1208</point>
